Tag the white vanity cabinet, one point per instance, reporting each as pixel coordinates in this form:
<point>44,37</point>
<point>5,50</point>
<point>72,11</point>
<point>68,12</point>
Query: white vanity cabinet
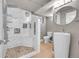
<point>61,44</point>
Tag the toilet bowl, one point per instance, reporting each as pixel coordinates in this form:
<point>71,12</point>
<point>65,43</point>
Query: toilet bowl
<point>47,38</point>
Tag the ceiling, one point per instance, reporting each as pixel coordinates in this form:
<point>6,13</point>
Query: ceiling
<point>31,5</point>
<point>47,10</point>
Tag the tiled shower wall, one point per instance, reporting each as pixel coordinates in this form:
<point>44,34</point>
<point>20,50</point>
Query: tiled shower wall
<point>17,17</point>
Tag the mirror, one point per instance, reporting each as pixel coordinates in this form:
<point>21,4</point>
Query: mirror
<point>65,15</point>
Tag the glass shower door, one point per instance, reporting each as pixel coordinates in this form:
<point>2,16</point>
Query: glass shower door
<point>2,27</point>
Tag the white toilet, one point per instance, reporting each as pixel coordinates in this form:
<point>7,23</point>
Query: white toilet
<point>47,38</point>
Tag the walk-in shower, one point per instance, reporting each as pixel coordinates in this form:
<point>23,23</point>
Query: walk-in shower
<point>20,32</point>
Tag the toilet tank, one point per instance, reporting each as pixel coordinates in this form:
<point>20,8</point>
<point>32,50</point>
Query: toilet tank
<point>49,34</point>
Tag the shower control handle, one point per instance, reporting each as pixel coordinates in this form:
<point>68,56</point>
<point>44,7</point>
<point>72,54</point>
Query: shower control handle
<point>6,41</point>
<point>3,41</point>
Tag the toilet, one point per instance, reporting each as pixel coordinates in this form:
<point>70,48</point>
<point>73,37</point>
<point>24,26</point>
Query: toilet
<point>47,38</point>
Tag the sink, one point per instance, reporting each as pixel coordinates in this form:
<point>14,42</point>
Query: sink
<point>61,44</point>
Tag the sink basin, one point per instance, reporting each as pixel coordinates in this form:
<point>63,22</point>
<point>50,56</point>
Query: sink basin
<point>61,44</point>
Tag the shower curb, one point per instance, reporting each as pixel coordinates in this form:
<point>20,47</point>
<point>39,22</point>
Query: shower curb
<point>29,55</point>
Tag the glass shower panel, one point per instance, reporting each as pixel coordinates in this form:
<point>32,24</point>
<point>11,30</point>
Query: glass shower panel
<point>3,37</point>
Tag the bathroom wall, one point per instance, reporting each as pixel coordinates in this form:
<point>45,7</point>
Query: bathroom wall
<point>43,27</point>
<point>16,18</point>
<point>72,28</point>
<point>51,26</point>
